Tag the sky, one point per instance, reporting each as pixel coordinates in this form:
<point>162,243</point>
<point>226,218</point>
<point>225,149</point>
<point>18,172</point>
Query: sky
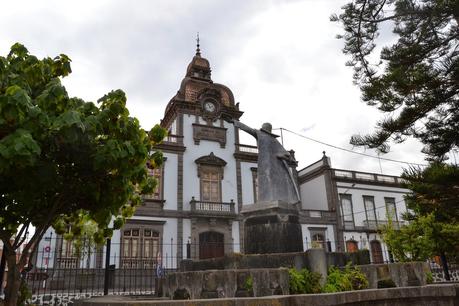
<point>280,59</point>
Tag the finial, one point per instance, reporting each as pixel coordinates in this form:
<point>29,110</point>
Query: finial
<point>323,152</point>
<point>198,51</point>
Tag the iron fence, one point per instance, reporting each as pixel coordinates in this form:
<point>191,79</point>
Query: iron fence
<point>62,273</point>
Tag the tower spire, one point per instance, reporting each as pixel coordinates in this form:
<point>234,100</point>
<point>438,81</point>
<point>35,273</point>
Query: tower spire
<point>198,51</point>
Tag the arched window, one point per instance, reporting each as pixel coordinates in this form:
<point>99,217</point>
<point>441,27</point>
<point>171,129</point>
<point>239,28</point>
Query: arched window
<point>376,252</point>
<point>352,246</point>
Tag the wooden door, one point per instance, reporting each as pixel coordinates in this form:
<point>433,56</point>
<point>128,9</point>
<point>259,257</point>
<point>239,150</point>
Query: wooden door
<point>376,252</point>
<point>211,245</point>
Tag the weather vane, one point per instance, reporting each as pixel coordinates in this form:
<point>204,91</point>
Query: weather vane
<point>198,51</point>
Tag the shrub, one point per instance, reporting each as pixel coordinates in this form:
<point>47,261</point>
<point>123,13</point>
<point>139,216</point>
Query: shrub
<point>386,283</point>
<point>347,279</point>
<point>304,281</point>
<point>248,285</point>
<point>429,277</point>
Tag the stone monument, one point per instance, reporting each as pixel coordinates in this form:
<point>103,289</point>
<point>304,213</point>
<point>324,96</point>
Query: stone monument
<point>271,224</point>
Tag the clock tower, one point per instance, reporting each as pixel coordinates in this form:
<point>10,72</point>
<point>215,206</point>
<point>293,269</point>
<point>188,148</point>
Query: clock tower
<point>198,95</point>
<point>210,166</point>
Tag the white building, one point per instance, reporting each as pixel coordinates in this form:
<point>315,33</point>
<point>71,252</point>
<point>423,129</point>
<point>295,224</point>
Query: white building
<point>208,176</point>
<point>360,202</point>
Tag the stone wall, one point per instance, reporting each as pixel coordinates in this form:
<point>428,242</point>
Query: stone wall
<point>402,274</point>
<point>432,295</point>
<point>226,283</point>
<point>257,261</point>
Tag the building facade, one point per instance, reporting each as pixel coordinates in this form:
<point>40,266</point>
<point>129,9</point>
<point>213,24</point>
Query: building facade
<point>208,176</point>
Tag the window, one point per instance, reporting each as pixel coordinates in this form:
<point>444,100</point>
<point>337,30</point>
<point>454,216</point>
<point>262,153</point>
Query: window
<point>376,252</point>
<point>317,241</point>
<point>391,210</point>
<point>317,237</point>
<point>352,246</point>
<point>158,174</point>
<point>67,257</point>
<point>210,184</point>
<point>140,248</point>
<point>346,211</point>
<point>370,212</point>
<point>210,173</point>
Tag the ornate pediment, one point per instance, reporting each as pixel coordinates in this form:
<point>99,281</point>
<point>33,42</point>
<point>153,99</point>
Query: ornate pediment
<point>210,160</point>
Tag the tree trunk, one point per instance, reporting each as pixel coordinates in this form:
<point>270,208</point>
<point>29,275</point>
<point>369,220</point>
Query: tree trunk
<point>13,280</point>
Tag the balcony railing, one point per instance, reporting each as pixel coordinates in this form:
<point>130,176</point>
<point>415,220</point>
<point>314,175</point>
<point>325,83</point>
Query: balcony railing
<point>374,225</point>
<point>320,214</point>
<point>366,177</point>
<point>246,148</point>
<point>212,208</point>
<point>173,139</point>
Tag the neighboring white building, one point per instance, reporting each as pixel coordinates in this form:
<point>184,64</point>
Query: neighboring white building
<point>208,176</point>
<point>361,202</point>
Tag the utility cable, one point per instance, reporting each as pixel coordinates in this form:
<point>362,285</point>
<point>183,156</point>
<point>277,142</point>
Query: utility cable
<point>351,151</point>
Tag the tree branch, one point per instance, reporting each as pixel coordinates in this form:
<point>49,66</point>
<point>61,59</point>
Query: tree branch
<point>359,39</point>
<point>19,239</point>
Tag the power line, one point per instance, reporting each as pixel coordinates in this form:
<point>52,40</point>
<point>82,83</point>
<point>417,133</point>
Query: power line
<point>350,151</point>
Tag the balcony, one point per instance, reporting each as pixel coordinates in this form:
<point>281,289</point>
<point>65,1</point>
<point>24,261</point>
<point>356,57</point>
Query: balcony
<point>173,140</point>
<point>319,214</point>
<point>375,225</point>
<point>212,209</point>
<point>242,148</point>
<point>365,177</point>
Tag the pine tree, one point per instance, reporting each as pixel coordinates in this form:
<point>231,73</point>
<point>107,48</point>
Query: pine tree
<point>415,80</point>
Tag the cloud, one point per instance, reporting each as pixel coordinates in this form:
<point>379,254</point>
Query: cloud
<point>280,58</point>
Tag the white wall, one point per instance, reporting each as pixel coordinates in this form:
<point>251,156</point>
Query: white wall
<point>170,181</point>
<point>45,259</point>
<point>186,234</point>
<point>329,235</point>
<point>193,152</point>
<point>235,229</point>
<point>314,194</point>
<point>311,167</point>
<point>247,182</point>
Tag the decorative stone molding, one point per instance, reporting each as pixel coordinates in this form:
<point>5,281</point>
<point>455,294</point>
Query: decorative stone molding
<point>208,132</point>
<point>210,160</point>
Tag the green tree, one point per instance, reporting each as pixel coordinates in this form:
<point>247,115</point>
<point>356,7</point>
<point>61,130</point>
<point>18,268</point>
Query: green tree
<point>413,79</point>
<point>433,212</point>
<point>64,162</point>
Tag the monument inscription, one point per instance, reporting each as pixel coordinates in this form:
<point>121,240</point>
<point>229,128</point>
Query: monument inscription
<point>212,133</point>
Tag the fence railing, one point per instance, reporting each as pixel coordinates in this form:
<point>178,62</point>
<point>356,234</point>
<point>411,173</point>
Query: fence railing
<point>62,274</point>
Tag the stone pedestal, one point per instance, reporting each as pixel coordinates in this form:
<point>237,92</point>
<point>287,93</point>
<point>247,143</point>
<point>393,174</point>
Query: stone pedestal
<point>271,227</point>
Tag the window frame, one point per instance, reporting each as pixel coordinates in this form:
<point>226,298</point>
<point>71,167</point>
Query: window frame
<point>372,199</point>
<point>391,200</point>
<point>210,170</point>
<point>343,196</point>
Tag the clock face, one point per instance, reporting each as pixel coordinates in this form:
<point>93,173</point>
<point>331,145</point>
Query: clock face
<point>209,106</point>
